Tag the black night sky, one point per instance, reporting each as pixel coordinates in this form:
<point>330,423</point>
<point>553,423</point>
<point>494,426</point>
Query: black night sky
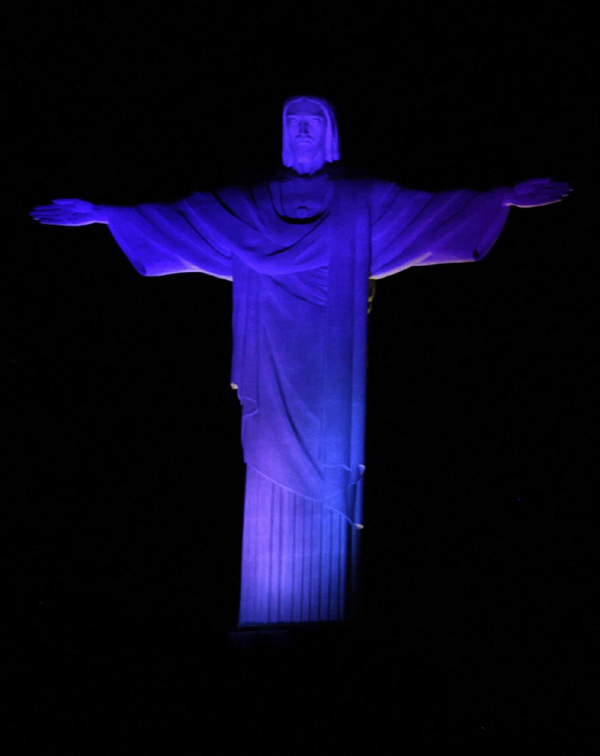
<point>123,461</point>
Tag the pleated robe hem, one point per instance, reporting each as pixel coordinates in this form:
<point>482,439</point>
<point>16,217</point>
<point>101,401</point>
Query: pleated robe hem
<point>298,558</point>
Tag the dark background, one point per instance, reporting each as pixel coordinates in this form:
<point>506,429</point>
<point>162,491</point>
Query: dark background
<point>124,466</point>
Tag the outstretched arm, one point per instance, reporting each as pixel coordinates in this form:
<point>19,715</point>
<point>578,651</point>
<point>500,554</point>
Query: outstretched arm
<point>158,238</point>
<point>70,212</point>
<point>418,228</point>
<point>536,192</point>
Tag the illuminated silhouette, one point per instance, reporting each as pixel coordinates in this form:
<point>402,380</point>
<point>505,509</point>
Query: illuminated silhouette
<point>300,249</point>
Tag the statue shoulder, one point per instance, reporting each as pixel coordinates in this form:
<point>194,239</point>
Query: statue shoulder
<point>361,181</point>
<point>369,181</point>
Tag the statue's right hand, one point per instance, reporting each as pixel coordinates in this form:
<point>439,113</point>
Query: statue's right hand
<point>68,212</point>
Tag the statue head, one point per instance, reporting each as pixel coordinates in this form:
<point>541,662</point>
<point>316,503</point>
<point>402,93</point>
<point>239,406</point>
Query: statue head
<point>310,136</point>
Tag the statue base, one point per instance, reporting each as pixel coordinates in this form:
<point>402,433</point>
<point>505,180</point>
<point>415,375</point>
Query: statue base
<point>293,636</point>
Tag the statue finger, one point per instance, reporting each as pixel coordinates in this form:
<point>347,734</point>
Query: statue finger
<point>47,213</point>
<point>549,188</point>
<point>553,193</point>
<point>45,207</point>
<point>546,200</point>
<point>551,201</point>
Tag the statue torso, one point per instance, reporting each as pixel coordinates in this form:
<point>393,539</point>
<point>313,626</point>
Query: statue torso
<point>299,197</point>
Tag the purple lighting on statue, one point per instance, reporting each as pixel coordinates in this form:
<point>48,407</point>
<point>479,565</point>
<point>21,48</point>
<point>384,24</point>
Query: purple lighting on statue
<point>300,295</point>
<point>300,249</point>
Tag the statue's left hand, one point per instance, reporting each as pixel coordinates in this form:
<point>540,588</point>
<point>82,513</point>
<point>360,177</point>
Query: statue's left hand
<point>536,192</point>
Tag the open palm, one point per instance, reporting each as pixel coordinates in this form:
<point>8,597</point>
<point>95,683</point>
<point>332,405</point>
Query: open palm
<point>537,192</point>
<point>66,212</point>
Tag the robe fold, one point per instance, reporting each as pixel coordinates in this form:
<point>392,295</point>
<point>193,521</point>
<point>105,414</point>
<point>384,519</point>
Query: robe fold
<point>300,290</point>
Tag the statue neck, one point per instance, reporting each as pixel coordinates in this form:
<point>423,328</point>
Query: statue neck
<point>308,166</point>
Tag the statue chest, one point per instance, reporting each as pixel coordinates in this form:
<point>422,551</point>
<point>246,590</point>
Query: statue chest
<point>305,198</point>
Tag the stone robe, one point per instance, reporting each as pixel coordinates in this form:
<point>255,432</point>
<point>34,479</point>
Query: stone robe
<point>300,289</point>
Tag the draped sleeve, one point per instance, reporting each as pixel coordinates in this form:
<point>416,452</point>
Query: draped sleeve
<point>411,228</point>
<point>188,236</point>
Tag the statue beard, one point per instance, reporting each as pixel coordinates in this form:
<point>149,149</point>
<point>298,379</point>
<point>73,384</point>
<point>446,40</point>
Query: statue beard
<point>309,154</point>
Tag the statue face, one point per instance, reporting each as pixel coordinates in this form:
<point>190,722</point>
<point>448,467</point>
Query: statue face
<point>307,126</point>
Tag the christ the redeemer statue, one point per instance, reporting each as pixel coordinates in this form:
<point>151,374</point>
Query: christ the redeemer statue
<point>300,249</point>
